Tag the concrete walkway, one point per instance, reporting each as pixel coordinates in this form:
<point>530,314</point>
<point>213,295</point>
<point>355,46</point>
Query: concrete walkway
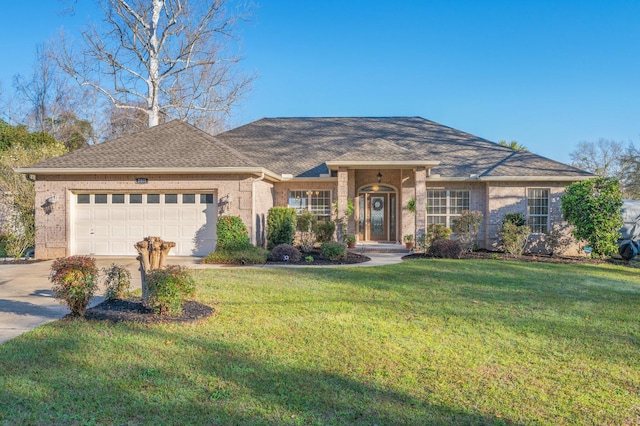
<point>26,299</point>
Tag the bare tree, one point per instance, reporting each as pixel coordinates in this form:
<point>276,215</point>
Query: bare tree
<point>170,58</point>
<point>601,158</point>
<point>50,102</point>
<point>631,172</point>
<point>45,93</point>
<point>609,158</point>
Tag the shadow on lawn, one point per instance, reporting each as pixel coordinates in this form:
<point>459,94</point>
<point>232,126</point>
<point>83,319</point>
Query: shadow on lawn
<point>226,387</point>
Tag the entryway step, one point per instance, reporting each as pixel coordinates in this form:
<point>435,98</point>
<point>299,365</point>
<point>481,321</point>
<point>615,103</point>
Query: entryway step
<point>363,248</point>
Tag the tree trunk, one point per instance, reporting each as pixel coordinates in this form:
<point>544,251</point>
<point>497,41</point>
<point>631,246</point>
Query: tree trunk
<point>153,252</point>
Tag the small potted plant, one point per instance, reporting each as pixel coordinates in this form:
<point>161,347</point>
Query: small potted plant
<point>408,241</point>
<point>350,240</point>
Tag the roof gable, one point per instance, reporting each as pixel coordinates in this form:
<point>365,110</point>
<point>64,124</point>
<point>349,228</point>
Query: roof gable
<point>175,144</point>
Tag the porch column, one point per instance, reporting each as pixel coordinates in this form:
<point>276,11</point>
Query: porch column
<point>343,192</point>
<point>421,201</point>
<point>351,184</point>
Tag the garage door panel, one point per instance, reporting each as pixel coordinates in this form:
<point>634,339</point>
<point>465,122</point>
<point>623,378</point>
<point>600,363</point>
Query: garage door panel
<point>123,247</point>
<point>84,215</point>
<point>154,214</point>
<point>172,231</point>
<point>100,231</point>
<point>84,247</point>
<point>118,214</point>
<point>101,247</point>
<point>136,213</point>
<point>101,214</point>
<point>117,231</point>
<point>171,214</point>
<point>108,229</point>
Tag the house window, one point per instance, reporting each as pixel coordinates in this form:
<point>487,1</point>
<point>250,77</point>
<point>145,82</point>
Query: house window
<point>443,205</point>
<point>538,210</point>
<point>315,201</point>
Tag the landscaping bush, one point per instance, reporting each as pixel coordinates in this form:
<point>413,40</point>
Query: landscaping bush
<point>307,223</point>
<point>251,255</point>
<point>75,281</point>
<point>466,227</point>
<point>232,234</point>
<point>514,237</point>
<point>446,249</point>
<point>516,219</point>
<point>281,226</point>
<point>325,231</point>
<point>117,282</point>
<point>168,288</point>
<point>438,231</point>
<point>593,208</point>
<point>333,251</point>
<point>279,252</point>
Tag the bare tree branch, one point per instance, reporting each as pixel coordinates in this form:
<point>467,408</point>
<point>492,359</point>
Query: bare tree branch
<point>168,58</point>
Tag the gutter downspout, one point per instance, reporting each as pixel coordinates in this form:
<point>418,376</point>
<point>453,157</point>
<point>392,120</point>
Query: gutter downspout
<point>253,208</point>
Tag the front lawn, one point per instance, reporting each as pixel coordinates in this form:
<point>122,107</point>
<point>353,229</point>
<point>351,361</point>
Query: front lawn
<point>424,342</point>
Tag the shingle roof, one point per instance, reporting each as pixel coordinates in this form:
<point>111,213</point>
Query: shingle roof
<point>303,146</point>
<point>175,144</point>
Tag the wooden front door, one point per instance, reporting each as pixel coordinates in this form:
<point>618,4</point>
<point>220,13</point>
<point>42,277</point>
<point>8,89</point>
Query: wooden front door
<point>378,215</point>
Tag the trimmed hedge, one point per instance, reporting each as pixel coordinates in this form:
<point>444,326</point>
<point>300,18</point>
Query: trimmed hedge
<point>279,252</point>
<point>232,234</point>
<point>333,251</point>
<point>249,256</point>
<point>281,226</point>
<point>446,249</point>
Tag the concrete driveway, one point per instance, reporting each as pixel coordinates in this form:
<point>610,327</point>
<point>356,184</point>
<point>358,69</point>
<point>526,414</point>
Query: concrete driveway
<point>26,299</point>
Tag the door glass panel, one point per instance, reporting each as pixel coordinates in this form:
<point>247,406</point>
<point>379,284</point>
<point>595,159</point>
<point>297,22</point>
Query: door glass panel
<point>392,216</point>
<point>377,216</point>
<point>361,213</point>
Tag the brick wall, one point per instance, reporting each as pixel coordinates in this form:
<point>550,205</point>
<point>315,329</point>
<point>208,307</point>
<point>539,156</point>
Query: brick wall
<point>53,227</point>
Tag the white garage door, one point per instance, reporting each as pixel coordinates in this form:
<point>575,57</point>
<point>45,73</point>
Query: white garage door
<point>110,224</point>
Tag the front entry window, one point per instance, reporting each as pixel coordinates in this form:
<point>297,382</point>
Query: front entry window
<point>316,201</point>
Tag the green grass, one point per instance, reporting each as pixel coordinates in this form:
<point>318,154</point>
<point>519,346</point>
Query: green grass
<point>425,342</point>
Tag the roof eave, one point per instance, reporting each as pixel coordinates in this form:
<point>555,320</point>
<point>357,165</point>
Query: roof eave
<point>150,170</point>
<point>382,164</point>
<point>472,178</point>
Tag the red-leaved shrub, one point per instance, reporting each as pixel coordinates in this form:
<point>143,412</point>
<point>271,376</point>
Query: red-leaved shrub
<point>75,281</point>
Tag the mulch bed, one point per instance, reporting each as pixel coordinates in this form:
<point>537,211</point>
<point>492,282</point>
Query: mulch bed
<point>319,260</point>
<point>133,310</point>
<point>483,254</point>
<point>18,261</point>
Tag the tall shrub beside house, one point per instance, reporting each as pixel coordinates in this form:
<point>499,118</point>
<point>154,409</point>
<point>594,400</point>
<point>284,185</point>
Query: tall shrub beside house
<point>466,227</point>
<point>281,226</point>
<point>593,207</point>
<point>232,234</point>
<point>514,233</point>
<point>233,245</point>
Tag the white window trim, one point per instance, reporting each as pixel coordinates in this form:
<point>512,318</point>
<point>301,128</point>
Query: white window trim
<point>307,207</point>
<point>548,215</point>
<point>447,215</point>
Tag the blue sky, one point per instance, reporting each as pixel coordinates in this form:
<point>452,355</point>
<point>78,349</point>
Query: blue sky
<point>546,73</point>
